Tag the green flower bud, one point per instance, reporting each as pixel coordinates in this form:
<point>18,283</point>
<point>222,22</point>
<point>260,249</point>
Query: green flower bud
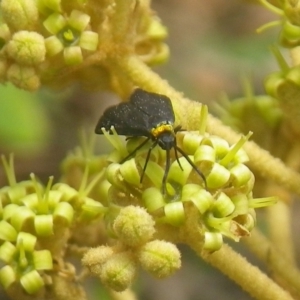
<point>23,77</point>
<point>27,48</point>
<point>94,258</point>
<point>134,226</point>
<point>20,14</point>
<point>118,272</point>
<point>160,258</point>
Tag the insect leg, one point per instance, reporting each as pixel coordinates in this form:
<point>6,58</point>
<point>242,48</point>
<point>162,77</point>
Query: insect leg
<point>147,160</point>
<point>193,165</point>
<point>164,181</point>
<point>134,151</point>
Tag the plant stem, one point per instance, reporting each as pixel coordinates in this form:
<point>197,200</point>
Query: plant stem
<point>275,261</point>
<point>249,277</point>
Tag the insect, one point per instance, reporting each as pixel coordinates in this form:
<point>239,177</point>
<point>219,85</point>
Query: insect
<point>150,115</point>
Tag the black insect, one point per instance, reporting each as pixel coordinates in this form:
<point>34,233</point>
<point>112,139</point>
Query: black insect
<point>150,115</point>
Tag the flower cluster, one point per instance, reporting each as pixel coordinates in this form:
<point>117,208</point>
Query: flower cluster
<point>39,39</point>
<point>117,266</point>
<point>35,227</point>
<point>225,208</point>
<point>98,193</point>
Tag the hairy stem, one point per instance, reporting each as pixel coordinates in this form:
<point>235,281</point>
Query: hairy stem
<point>279,264</point>
<point>249,277</point>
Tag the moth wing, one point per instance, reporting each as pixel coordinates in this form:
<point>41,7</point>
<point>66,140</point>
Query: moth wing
<point>126,119</point>
<point>157,107</point>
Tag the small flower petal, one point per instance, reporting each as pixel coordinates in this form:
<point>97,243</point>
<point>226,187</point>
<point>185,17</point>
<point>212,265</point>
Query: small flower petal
<point>217,177</point>
<point>7,276</point>
<point>213,241</point>
<point>7,231</point>
<point>153,199</point>
<point>7,252</point>
<point>32,282</point>
<point>27,240</point>
<point>42,260</point>
<point>54,23</point>
<point>53,45</point>
<point>79,20</point>
<point>43,225</point>
<point>89,40</point>
<point>73,55</point>
<point>174,213</point>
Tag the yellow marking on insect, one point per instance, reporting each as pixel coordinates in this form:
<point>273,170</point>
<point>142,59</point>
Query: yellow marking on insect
<point>161,128</point>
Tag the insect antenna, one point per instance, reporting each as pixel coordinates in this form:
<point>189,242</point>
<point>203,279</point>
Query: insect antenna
<point>192,164</point>
<point>135,150</point>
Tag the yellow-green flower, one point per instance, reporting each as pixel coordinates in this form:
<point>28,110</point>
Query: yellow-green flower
<point>23,263</point>
<point>70,35</point>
